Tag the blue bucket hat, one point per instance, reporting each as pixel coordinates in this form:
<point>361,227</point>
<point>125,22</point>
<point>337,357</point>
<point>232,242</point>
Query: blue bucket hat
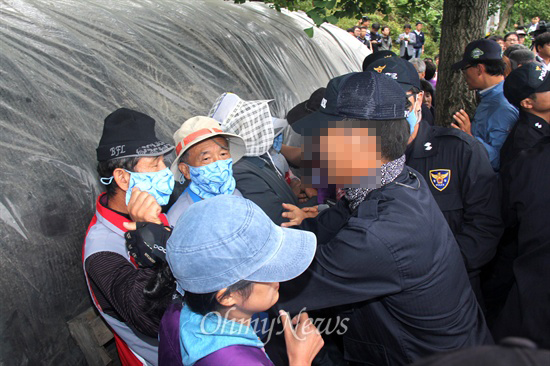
<point>219,241</point>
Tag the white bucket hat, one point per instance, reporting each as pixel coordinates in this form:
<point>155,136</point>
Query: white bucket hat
<point>198,129</point>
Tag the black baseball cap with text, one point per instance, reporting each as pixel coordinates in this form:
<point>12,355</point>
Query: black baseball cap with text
<point>480,50</point>
<point>525,81</point>
<point>397,69</point>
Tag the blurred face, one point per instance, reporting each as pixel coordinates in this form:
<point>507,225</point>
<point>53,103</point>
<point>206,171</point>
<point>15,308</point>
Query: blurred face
<point>363,33</point>
<point>428,100</point>
<point>204,153</point>
<point>407,30</point>
<point>349,155</point>
<point>357,32</point>
<point>386,32</point>
<point>501,44</point>
<point>419,27</point>
<point>535,20</point>
<point>512,39</point>
<point>521,38</point>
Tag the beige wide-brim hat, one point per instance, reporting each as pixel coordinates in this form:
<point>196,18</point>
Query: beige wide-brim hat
<point>198,129</point>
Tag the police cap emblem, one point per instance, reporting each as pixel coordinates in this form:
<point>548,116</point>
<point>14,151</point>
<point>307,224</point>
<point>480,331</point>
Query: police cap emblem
<point>477,53</point>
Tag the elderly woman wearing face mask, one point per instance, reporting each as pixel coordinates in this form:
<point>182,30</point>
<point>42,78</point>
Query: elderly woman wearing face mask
<point>205,157</point>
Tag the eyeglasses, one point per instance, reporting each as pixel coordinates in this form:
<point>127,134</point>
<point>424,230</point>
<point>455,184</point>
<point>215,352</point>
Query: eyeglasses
<point>466,67</point>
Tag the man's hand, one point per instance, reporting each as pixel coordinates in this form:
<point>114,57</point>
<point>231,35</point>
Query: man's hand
<point>296,186</point>
<point>142,208</point>
<point>462,122</point>
<point>303,341</point>
<point>306,194</point>
<point>297,215</point>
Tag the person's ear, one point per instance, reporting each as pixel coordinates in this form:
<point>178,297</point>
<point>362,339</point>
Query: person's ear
<point>184,169</point>
<point>527,103</point>
<point>227,301</point>
<point>480,68</point>
<point>420,96</point>
<point>122,178</point>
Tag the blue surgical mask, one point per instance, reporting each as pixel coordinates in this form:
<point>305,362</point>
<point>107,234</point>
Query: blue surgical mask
<point>411,118</point>
<point>158,184</point>
<point>213,179</point>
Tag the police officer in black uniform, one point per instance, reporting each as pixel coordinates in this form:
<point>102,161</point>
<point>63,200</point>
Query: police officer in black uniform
<point>459,174</point>
<point>526,206</point>
<point>524,88</point>
<point>393,269</point>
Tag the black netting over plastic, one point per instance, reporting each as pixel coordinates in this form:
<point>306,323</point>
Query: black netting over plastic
<point>65,65</point>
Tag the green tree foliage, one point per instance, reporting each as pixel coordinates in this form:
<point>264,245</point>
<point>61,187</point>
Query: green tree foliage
<point>522,11</point>
<point>394,13</point>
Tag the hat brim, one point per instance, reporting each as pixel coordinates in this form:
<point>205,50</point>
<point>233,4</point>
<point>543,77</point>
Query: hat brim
<point>317,120</point>
<point>294,255</point>
<point>237,148</point>
<point>298,112</point>
<point>459,65</point>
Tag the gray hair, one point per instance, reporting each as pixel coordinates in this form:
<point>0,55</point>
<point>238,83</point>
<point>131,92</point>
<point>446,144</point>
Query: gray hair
<point>513,48</point>
<point>418,64</point>
<point>522,57</point>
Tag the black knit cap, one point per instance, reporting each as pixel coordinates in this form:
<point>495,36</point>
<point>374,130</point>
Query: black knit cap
<point>369,95</point>
<point>129,133</point>
<point>399,70</point>
<point>527,80</point>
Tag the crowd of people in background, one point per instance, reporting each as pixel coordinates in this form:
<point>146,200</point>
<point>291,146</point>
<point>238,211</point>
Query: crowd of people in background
<point>421,243</point>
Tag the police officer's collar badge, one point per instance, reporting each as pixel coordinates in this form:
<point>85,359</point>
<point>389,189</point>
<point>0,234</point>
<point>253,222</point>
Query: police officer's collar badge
<point>440,178</point>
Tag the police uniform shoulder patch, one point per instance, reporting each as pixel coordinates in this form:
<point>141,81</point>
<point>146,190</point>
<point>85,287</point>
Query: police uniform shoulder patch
<point>440,178</point>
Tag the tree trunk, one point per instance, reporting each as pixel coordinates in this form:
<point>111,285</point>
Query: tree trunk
<point>463,21</point>
<point>505,16</point>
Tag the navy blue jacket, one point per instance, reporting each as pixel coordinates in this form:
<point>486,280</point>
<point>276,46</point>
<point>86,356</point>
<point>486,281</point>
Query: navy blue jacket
<point>525,205</point>
<point>397,267</point>
<point>469,198</point>
<point>528,130</point>
<point>420,39</point>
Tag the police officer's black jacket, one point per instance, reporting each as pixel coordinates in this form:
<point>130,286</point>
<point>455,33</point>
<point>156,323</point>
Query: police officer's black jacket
<point>526,204</point>
<point>468,193</point>
<point>396,263</point>
<point>528,130</point>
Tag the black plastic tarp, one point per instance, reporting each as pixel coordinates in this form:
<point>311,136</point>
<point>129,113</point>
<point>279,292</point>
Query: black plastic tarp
<point>64,66</point>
